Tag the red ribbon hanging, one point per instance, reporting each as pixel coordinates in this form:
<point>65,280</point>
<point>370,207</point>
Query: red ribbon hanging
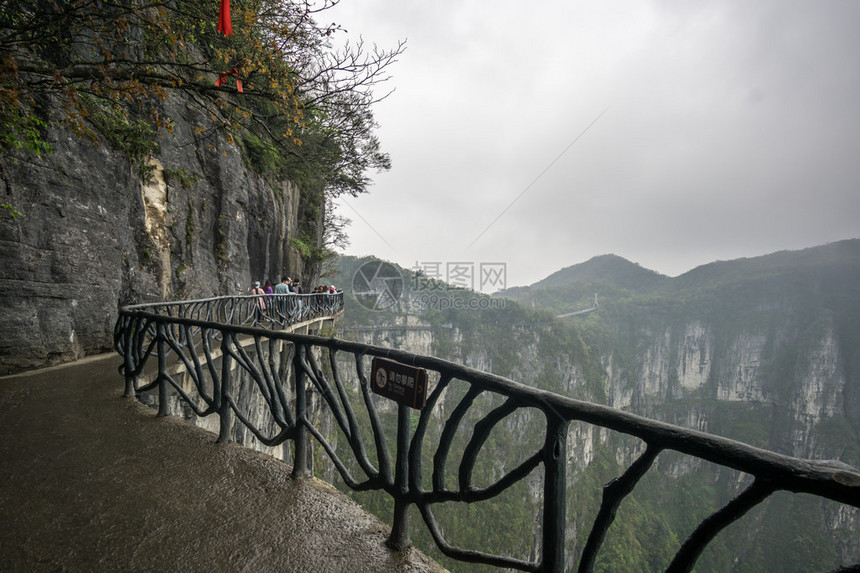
<point>222,79</point>
<point>224,24</point>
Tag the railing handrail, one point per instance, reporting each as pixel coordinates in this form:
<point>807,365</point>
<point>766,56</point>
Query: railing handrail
<point>142,305</point>
<point>737,455</point>
<point>284,309</point>
<point>772,471</point>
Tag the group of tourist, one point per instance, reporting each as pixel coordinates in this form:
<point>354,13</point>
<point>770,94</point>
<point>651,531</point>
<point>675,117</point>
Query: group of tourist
<point>286,286</point>
<point>289,286</point>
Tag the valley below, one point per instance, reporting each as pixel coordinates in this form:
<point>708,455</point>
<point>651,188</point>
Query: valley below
<point>764,351</point>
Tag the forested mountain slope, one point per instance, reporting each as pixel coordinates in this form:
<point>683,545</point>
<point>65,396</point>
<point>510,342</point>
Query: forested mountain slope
<point>780,331</point>
<point>760,350</point>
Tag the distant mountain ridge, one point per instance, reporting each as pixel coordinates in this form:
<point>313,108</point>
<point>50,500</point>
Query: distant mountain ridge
<point>618,273</point>
<point>841,253</point>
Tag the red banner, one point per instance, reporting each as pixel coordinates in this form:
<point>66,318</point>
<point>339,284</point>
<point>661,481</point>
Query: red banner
<point>224,24</point>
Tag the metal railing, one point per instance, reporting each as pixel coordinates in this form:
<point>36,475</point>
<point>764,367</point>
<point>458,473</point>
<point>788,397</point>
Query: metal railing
<point>284,368</point>
<point>268,310</point>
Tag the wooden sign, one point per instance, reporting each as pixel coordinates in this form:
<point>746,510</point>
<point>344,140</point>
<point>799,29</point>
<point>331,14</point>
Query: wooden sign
<point>400,382</point>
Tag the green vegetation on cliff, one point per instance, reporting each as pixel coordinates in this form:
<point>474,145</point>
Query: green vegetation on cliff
<point>134,169</point>
<point>299,106</point>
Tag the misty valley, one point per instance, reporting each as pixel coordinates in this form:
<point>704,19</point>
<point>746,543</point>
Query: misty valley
<point>765,351</point>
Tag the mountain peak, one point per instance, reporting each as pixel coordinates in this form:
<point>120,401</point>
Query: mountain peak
<point>605,269</point>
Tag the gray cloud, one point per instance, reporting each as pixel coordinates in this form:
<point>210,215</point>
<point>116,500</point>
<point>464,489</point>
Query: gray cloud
<point>732,129</point>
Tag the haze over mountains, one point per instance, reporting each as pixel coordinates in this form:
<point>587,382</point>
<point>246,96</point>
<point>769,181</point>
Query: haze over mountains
<point>606,273</point>
<point>763,350</point>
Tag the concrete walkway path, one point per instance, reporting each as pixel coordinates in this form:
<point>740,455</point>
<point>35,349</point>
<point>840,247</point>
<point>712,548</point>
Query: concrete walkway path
<point>90,481</point>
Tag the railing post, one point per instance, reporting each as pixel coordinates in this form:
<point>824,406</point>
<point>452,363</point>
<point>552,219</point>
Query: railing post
<point>554,493</point>
<point>162,370</point>
<point>300,459</point>
<point>225,414</point>
<point>128,341</point>
<point>399,538</point>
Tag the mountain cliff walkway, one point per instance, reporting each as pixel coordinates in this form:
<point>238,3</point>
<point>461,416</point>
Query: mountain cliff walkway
<point>319,402</point>
<point>90,481</point>
<point>394,425</point>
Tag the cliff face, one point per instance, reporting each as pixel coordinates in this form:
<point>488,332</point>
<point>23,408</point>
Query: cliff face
<point>690,364</point>
<point>686,374</point>
<point>97,230</point>
<point>691,376</point>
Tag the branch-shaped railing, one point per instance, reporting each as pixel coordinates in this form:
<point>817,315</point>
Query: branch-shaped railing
<point>269,310</point>
<point>283,368</point>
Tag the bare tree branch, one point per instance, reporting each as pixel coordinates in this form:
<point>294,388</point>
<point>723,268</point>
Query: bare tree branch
<point>316,99</point>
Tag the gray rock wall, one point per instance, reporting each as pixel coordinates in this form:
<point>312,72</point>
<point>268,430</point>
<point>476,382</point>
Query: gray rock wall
<point>693,375</point>
<point>95,233</point>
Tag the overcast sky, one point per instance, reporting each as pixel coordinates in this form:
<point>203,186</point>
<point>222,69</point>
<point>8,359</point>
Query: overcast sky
<point>706,131</point>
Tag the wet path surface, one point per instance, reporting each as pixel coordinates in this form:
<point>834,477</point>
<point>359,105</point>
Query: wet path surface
<point>90,481</point>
